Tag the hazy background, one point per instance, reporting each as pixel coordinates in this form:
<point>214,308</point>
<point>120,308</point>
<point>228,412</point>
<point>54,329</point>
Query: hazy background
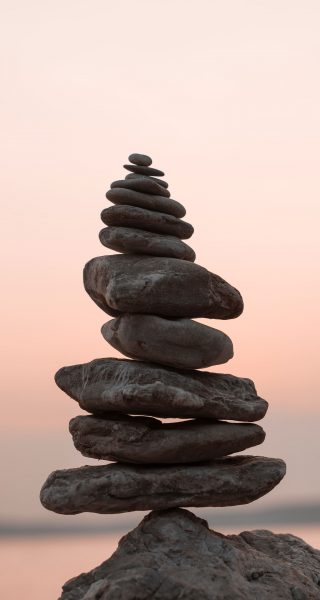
<point>224,95</point>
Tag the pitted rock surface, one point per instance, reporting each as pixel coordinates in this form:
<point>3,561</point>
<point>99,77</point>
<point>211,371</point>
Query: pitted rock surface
<point>149,201</point>
<point>132,387</point>
<point>173,555</point>
<point>179,343</point>
<point>119,487</point>
<point>138,241</point>
<point>167,287</point>
<point>146,440</point>
<point>149,220</point>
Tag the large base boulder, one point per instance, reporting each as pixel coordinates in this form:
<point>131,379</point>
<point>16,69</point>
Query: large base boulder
<point>173,555</point>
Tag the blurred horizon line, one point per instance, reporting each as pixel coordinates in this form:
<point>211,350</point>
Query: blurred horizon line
<point>284,514</point>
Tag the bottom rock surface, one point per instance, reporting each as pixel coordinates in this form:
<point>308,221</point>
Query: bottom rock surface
<point>172,555</point>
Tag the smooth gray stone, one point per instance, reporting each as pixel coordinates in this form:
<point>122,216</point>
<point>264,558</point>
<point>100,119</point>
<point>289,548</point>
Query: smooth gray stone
<point>181,343</point>
<point>148,220</point>
<point>149,201</point>
<point>144,170</point>
<point>140,159</point>
<point>137,176</point>
<point>118,487</point>
<point>167,287</point>
<point>109,385</point>
<point>173,555</point>
<point>138,241</point>
<point>141,184</point>
<point>146,440</point>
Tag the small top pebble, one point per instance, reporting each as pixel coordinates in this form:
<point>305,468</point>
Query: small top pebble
<point>140,159</point>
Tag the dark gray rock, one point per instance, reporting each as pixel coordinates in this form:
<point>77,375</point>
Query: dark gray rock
<point>140,159</point>
<point>138,241</point>
<point>119,487</point>
<point>173,555</point>
<point>111,385</point>
<point>149,201</point>
<point>146,440</point>
<point>141,184</point>
<point>144,170</point>
<point>137,176</point>
<point>149,220</point>
<point>167,287</point>
<point>179,343</point>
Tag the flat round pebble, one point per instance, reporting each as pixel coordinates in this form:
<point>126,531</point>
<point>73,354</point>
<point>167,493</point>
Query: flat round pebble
<point>109,385</point>
<point>137,176</point>
<point>142,184</point>
<point>147,440</point>
<point>144,170</point>
<point>149,201</point>
<point>158,285</point>
<point>122,215</point>
<point>120,487</point>
<point>178,343</point>
<point>140,159</point>
<point>138,241</point>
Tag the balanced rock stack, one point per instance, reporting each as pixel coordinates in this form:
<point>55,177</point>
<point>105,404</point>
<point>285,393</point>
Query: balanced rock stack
<point>153,290</point>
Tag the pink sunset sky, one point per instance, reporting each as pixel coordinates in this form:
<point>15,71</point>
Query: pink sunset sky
<point>225,97</point>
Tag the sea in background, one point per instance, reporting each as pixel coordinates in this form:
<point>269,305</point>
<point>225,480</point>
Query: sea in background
<point>35,567</point>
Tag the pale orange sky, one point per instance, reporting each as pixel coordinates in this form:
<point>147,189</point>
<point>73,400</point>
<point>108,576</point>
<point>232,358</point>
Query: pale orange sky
<point>225,97</point>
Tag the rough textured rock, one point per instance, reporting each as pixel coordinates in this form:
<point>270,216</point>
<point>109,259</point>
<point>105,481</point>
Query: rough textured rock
<point>136,175</point>
<point>138,241</point>
<point>173,555</point>
<point>167,287</point>
<point>149,201</point>
<point>111,385</point>
<point>141,184</point>
<point>119,487</point>
<point>179,343</point>
<point>149,220</point>
<point>140,159</point>
<point>141,170</point>
<point>147,440</point>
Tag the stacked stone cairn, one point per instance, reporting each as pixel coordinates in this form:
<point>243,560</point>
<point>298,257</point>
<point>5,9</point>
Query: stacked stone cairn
<point>154,290</point>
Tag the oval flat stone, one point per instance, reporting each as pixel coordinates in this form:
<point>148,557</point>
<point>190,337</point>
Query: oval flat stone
<point>140,159</point>
<point>137,176</point>
<point>109,385</point>
<point>146,440</point>
<point>138,241</point>
<point>141,184</point>
<point>179,343</point>
<point>167,287</point>
<point>121,215</point>
<point>144,170</point>
<point>149,201</point>
<point>117,488</point>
